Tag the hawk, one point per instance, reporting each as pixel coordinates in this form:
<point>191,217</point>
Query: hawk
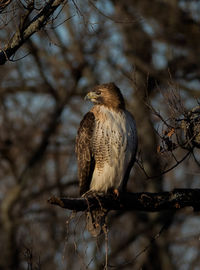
<point>106,142</point>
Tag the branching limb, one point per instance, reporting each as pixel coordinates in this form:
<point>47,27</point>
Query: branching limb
<point>144,201</point>
<point>27,29</point>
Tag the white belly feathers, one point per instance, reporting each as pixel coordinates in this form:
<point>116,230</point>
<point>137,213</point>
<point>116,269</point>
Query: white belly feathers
<point>114,144</point>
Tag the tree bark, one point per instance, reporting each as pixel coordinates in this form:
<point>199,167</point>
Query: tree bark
<point>27,29</point>
<point>143,201</point>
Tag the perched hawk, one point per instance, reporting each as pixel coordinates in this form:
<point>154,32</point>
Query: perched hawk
<point>106,142</point>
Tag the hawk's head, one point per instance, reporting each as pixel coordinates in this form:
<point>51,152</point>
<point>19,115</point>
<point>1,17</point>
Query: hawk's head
<point>107,94</point>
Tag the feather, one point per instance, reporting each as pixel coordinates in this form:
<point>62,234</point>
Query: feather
<point>86,162</point>
<point>106,146</point>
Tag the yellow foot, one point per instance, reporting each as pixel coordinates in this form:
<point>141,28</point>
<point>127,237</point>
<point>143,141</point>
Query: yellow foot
<point>116,192</point>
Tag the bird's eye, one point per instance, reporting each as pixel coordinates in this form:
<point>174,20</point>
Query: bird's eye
<point>98,93</point>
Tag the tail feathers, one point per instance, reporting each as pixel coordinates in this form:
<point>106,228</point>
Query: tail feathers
<point>96,222</point>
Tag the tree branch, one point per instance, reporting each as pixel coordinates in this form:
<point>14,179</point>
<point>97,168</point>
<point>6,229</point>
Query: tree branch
<point>25,32</point>
<point>144,201</point>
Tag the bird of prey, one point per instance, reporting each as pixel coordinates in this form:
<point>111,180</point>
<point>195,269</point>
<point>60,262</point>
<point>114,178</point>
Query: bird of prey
<point>106,142</point>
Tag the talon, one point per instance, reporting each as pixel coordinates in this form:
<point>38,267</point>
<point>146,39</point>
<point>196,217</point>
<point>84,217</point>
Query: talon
<point>116,192</point>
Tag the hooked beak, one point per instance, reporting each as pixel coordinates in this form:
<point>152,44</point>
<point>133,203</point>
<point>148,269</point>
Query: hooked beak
<point>91,96</point>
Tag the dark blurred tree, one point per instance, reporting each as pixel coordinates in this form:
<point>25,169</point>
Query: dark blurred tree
<point>51,53</point>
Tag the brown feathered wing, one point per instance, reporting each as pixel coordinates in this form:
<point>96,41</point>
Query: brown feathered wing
<point>86,163</point>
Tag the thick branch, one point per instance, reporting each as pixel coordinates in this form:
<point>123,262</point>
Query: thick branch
<point>27,31</point>
<point>144,201</point>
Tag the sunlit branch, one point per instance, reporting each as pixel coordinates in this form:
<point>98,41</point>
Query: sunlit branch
<point>27,29</point>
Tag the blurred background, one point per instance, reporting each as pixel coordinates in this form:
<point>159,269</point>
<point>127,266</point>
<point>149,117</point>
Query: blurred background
<point>151,50</point>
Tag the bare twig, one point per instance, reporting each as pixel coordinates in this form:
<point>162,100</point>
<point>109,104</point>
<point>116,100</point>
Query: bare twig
<point>26,31</point>
<point>4,4</point>
<point>140,164</point>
